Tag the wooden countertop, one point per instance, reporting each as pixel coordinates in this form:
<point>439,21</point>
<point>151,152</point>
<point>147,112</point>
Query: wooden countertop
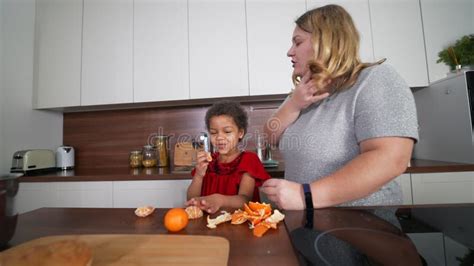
<point>127,174</point>
<point>427,166</point>
<point>274,248</point>
<point>282,246</point>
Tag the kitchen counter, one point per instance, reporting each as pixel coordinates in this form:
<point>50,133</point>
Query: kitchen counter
<point>121,174</point>
<point>127,174</point>
<point>381,234</point>
<point>274,248</point>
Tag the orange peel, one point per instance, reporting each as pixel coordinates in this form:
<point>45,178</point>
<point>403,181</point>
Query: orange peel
<point>258,215</point>
<point>259,207</point>
<point>224,217</point>
<point>238,217</point>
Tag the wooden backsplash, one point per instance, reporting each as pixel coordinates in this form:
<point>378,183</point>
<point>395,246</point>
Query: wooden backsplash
<point>104,139</point>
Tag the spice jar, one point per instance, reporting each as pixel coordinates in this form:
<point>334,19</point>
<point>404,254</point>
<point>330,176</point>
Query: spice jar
<point>135,159</point>
<point>149,156</point>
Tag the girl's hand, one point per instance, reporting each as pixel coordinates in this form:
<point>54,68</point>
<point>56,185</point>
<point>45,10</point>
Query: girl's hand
<point>192,202</point>
<point>209,204</point>
<point>285,194</point>
<point>306,93</point>
<point>201,164</point>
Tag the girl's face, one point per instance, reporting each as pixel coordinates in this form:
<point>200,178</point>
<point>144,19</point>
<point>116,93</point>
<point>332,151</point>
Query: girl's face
<point>301,51</point>
<point>225,134</point>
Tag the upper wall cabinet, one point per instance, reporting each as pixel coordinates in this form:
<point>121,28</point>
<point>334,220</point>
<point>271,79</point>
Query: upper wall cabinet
<point>270,27</point>
<point>161,66</point>
<point>359,10</point>
<point>217,48</point>
<point>58,53</point>
<point>107,51</point>
<point>99,52</point>
<point>444,21</point>
<point>398,36</point>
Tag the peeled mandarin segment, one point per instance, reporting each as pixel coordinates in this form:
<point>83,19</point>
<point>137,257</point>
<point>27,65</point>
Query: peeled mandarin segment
<point>194,212</point>
<point>144,211</point>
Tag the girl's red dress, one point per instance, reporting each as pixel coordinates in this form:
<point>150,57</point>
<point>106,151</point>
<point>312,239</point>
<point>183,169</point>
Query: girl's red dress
<point>224,178</point>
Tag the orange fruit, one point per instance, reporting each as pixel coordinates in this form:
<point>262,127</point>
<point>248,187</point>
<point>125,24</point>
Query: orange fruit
<point>176,219</point>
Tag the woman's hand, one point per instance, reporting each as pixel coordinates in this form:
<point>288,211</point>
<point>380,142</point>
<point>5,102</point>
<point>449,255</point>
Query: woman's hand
<point>209,204</point>
<point>201,164</point>
<point>285,194</point>
<point>306,93</point>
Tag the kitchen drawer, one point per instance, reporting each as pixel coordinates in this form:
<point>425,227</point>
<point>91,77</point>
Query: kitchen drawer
<point>161,193</point>
<point>441,188</point>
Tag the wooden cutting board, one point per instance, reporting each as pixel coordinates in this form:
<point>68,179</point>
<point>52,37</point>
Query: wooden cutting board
<point>129,249</point>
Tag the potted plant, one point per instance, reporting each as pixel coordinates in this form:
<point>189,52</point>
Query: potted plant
<point>460,54</point>
<point>468,258</point>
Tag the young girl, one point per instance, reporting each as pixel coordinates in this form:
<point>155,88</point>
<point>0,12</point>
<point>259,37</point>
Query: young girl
<point>231,177</point>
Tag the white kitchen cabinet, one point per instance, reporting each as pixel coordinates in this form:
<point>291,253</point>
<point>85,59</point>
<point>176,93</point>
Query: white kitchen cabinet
<point>444,21</point>
<point>32,196</point>
<point>270,26</point>
<point>359,10</point>
<point>57,71</point>
<point>101,194</point>
<point>160,193</point>
<point>82,194</point>
<point>218,62</point>
<point>161,65</point>
<point>107,52</point>
<point>37,195</point>
<point>398,36</point>
<point>441,188</point>
<point>404,181</point>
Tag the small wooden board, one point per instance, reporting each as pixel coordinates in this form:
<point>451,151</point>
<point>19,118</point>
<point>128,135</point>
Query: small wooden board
<point>129,249</point>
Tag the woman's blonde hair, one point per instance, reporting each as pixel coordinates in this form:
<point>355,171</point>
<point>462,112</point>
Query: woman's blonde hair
<point>336,47</point>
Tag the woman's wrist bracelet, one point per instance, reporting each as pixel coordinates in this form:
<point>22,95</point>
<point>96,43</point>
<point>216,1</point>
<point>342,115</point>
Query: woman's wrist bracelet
<point>308,196</point>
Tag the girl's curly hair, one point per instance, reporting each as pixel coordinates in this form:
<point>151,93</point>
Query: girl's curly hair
<point>229,108</point>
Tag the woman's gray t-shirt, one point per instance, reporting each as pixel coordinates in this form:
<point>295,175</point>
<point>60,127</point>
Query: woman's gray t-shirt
<point>327,134</point>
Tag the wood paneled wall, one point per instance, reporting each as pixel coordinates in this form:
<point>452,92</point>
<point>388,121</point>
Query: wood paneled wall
<point>104,139</point>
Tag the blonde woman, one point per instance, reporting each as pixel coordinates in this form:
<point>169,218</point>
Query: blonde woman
<point>348,128</point>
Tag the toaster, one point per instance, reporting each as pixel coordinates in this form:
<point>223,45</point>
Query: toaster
<point>33,160</point>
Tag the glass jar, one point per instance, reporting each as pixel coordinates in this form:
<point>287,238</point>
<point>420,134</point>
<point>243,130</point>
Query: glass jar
<point>135,159</point>
<point>162,150</point>
<point>149,156</point>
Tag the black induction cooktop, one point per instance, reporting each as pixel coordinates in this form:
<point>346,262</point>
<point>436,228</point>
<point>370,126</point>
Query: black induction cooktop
<point>429,235</point>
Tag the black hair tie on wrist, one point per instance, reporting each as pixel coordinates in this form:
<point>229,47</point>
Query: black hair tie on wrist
<point>308,197</point>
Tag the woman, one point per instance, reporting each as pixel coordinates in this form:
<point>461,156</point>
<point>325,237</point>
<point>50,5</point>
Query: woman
<point>348,128</point>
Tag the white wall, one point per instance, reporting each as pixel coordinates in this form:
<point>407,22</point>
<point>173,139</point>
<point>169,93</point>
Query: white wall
<point>444,22</point>
<point>2,160</point>
<point>20,126</point>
